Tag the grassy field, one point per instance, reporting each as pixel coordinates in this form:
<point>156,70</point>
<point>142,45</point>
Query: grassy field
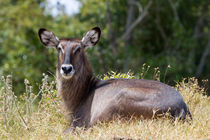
<point>30,117</point>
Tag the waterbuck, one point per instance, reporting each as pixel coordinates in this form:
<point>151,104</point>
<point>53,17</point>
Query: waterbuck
<point>89,99</point>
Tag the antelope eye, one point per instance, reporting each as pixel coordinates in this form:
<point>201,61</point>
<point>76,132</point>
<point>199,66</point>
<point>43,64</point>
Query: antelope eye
<point>77,50</point>
<point>59,49</point>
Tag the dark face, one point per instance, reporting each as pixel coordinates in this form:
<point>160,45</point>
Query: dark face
<point>70,52</point>
<point>69,57</point>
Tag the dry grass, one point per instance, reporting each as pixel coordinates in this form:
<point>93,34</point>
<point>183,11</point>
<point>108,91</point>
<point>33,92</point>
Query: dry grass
<point>30,118</point>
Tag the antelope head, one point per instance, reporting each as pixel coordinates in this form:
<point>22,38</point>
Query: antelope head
<point>71,52</point>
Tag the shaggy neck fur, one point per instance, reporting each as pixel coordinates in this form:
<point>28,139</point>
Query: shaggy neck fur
<point>75,90</point>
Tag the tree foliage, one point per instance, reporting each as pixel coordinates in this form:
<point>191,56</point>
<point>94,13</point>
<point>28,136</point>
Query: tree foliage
<point>172,32</point>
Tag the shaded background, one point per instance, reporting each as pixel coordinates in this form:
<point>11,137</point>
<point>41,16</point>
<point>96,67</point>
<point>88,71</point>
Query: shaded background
<point>155,32</point>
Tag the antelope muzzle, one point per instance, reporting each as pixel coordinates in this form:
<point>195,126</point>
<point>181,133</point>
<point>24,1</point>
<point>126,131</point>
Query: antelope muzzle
<point>67,71</point>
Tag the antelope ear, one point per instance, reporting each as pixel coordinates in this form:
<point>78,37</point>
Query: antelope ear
<point>47,38</point>
<point>92,37</point>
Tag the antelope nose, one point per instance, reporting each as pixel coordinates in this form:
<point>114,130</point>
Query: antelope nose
<point>67,68</point>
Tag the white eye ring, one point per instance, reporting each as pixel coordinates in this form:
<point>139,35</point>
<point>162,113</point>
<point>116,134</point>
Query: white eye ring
<point>60,48</point>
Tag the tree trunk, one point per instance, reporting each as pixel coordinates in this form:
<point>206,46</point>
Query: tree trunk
<point>127,41</point>
<point>111,36</point>
<point>197,35</point>
<point>203,60</point>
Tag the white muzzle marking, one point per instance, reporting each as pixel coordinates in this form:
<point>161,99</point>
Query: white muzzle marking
<point>67,71</point>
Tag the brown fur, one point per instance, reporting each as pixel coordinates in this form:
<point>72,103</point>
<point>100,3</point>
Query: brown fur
<point>73,90</point>
<point>89,100</point>
<point>83,94</point>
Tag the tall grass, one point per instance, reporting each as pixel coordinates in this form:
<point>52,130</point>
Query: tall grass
<point>41,115</point>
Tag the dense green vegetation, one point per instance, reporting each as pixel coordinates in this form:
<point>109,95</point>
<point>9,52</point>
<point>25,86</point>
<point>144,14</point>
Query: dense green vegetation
<point>158,33</point>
